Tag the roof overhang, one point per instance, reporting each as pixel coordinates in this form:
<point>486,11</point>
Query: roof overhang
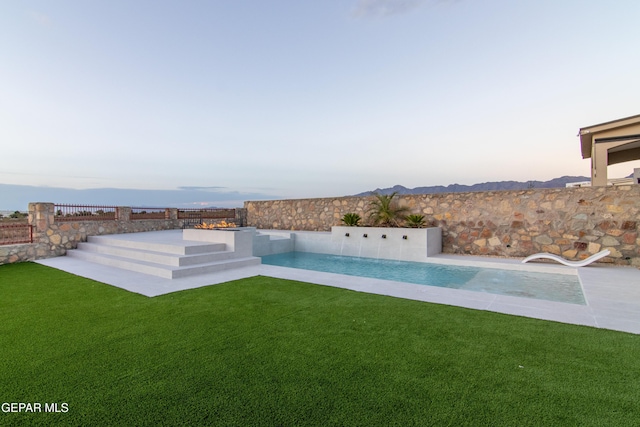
<point>622,130</point>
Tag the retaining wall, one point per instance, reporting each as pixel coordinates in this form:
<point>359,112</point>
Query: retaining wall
<point>572,222</point>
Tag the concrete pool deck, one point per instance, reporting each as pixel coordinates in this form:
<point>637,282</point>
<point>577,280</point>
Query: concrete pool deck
<point>612,293</point>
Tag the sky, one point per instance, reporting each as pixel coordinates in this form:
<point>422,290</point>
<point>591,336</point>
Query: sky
<point>298,99</point>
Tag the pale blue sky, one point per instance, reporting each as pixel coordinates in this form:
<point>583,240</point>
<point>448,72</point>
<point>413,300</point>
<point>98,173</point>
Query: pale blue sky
<point>296,98</point>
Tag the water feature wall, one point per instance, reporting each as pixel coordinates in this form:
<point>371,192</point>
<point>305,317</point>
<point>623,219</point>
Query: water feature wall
<point>407,244</point>
<point>371,242</point>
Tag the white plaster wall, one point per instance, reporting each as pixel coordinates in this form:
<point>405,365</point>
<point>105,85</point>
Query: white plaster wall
<point>319,242</point>
<point>408,244</point>
<point>268,242</point>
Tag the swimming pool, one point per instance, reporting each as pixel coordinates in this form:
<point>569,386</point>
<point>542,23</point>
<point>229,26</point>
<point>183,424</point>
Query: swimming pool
<point>517,283</point>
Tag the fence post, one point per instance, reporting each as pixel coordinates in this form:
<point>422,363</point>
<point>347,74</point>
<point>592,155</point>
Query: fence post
<point>240,217</point>
<point>123,213</point>
<point>41,216</point>
<point>171,213</point>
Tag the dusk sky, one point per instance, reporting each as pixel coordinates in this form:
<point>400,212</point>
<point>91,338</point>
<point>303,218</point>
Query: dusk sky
<point>297,99</point>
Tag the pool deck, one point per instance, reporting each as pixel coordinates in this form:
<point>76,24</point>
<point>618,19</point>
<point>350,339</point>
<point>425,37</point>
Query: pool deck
<point>612,293</point>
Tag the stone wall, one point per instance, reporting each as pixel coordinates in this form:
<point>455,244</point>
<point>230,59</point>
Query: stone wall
<point>53,238</point>
<point>22,252</point>
<point>572,222</point>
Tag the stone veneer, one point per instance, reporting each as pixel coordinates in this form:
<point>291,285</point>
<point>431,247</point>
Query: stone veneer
<point>572,222</point>
<point>53,238</point>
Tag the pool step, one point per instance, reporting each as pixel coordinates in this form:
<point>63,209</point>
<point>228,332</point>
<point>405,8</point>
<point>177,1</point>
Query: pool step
<point>151,241</point>
<point>166,256</point>
<point>156,256</point>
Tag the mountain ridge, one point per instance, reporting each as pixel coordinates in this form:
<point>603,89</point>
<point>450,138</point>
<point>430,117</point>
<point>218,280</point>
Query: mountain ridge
<point>484,186</point>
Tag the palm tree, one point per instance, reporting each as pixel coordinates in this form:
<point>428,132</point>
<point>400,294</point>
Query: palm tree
<point>384,212</point>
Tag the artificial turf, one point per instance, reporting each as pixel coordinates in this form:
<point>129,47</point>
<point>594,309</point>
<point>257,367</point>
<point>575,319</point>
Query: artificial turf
<point>265,351</point>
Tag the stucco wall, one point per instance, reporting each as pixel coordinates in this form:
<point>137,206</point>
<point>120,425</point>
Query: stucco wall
<point>572,222</point>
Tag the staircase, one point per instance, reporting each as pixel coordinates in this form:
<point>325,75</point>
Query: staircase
<point>161,253</point>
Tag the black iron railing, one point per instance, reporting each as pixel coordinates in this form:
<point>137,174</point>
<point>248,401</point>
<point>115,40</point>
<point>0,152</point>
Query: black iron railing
<point>149,213</point>
<point>84,213</point>
<point>212,213</point>
<point>65,212</point>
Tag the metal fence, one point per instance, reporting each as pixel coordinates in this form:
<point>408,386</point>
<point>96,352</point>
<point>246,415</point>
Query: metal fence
<point>211,213</point>
<point>108,213</point>
<point>149,213</point>
<point>84,213</point>
<point>12,234</point>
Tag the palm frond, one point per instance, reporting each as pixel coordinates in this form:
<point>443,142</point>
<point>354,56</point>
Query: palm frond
<point>384,212</point>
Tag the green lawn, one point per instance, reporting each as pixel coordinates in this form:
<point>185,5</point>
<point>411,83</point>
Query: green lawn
<point>265,351</point>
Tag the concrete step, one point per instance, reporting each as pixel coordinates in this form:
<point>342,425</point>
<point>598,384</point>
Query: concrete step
<point>162,270</point>
<point>179,247</point>
<point>157,257</point>
<point>273,235</point>
<point>272,242</point>
<point>215,267</point>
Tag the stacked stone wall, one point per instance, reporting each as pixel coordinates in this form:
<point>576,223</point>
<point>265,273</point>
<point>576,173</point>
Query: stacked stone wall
<point>572,222</point>
<point>62,236</point>
<point>21,252</point>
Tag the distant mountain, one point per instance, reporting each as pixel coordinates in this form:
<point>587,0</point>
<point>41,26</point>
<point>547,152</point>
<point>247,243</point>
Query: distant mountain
<point>485,186</point>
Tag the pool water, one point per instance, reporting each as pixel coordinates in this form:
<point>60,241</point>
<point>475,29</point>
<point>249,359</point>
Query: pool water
<point>526,284</point>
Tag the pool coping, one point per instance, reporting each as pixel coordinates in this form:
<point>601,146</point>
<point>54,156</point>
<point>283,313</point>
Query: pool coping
<point>612,293</point>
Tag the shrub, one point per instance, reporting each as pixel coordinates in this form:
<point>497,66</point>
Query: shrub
<point>415,221</point>
<point>351,219</point>
<point>18,215</point>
